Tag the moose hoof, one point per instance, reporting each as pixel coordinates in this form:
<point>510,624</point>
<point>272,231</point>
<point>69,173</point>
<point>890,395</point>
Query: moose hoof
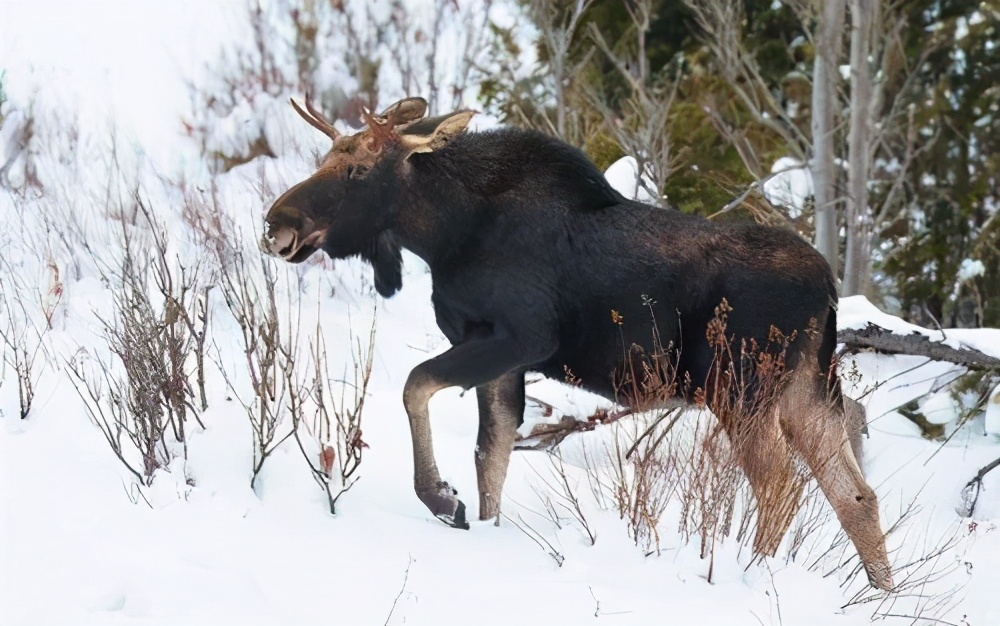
<point>444,505</point>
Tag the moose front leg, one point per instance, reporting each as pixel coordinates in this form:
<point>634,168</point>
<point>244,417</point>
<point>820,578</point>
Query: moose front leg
<point>437,495</point>
<point>501,408</point>
<point>466,365</point>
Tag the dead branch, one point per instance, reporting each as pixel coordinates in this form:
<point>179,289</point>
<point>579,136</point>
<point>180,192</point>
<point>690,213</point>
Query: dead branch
<point>884,341</point>
<point>538,538</point>
<point>547,436</point>
<point>970,493</point>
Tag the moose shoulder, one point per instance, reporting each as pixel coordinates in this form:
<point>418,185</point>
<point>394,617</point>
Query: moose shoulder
<point>538,264</point>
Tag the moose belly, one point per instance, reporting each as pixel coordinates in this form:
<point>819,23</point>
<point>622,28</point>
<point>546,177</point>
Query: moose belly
<point>619,355</point>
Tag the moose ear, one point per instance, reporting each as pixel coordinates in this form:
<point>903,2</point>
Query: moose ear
<point>433,133</point>
<point>404,111</point>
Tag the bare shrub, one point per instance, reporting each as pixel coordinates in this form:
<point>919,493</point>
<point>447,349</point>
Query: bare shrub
<point>567,500</point>
<point>329,435</point>
<point>927,568</point>
<point>243,74</point>
<point>809,523</point>
<point>690,461</point>
<point>559,24</point>
<point>105,395</point>
<point>422,51</point>
<point>184,322</point>
<point>743,393</point>
<point>641,487</point>
<point>269,351</point>
<point>20,136</point>
<point>720,29</point>
<point>23,341</point>
<point>344,52</point>
<point>923,590</point>
<point>207,221</point>
<point>713,490</point>
<point>683,459</point>
<point>538,538</point>
<point>144,393</point>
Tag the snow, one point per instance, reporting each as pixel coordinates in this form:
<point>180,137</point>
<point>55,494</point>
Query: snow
<point>81,543</point>
<point>623,175</point>
<point>992,418</point>
<point>790,186</point>
<point>969,269</point>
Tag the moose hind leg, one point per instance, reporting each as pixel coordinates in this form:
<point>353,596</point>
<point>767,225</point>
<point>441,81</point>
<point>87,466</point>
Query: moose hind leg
<point>818,434</point>
<point>501,408</point>
<point>766,459</point>
<point>857,427</point>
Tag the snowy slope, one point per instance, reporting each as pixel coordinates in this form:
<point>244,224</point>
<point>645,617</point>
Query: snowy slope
<point>81,543</point>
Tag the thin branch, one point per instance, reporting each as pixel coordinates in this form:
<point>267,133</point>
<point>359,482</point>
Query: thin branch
<point>406,577</point>
<point>755,185</point>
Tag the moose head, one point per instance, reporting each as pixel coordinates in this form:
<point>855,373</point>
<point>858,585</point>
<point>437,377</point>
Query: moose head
<point>345,207</point>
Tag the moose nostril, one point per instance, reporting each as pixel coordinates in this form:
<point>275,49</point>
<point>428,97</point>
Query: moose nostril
<point>266,244</point>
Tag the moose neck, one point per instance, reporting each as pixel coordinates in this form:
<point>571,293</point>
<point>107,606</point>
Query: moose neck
<point>448,197</point>
<point>436,214</point>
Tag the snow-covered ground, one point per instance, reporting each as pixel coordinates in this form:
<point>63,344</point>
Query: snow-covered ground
<point>81,543</point>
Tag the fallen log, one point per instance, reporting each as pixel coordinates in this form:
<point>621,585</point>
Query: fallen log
<point>877,339</point>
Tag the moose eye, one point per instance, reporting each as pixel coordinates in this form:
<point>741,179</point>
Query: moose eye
<point>356,171</point>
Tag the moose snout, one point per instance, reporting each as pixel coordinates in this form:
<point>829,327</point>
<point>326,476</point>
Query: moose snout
<point>290,235</point>
<point>276,239</point>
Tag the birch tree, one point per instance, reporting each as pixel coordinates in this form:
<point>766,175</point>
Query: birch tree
<point>829,34</point>
<point>857,264</point>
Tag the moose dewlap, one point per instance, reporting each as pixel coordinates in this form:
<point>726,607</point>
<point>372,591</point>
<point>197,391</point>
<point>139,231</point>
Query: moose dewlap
<point>538,264</point>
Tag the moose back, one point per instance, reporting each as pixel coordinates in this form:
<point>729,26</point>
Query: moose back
<point>538,264</point>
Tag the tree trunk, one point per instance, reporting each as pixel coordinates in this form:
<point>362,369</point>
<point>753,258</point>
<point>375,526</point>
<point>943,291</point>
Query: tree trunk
<point>824,109</point>
<point>857,264</point>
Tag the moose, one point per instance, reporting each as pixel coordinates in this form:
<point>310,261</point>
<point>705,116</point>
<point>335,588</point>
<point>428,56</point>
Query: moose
<point>538,264</point>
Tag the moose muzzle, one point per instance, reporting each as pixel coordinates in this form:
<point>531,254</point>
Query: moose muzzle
<point>291,235</point>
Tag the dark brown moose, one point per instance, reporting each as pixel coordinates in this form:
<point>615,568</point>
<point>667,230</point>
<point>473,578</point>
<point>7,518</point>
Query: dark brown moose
<point>538,264</point>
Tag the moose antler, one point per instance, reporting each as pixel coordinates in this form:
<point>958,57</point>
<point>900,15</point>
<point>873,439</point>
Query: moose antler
<point>383,125</point>
<point>405,111</point>
<point>379,126</point>
<point>315,118</point>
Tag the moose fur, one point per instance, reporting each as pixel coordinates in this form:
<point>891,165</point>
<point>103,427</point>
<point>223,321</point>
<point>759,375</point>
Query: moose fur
<point>539,264</point>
